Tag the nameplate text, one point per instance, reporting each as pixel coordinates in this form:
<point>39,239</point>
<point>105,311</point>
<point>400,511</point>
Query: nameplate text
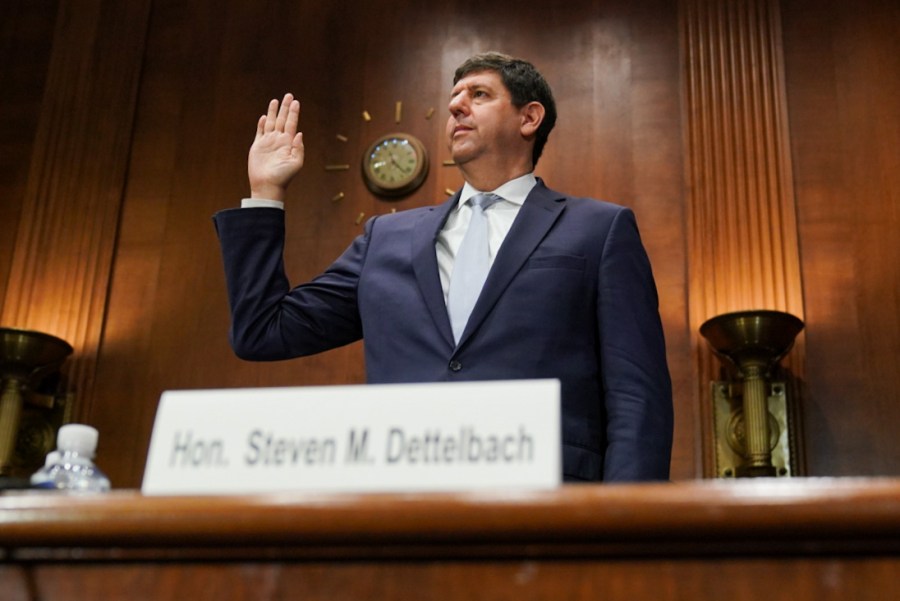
<point>373,438</point>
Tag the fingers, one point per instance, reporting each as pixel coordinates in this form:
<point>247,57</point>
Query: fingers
<point>282,113</point>
<point>270,116</point>
<point>293,116</point>
<point>280,117</point>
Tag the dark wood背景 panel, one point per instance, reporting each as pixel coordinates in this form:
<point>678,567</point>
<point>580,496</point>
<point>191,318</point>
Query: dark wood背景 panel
<point>842,63</point>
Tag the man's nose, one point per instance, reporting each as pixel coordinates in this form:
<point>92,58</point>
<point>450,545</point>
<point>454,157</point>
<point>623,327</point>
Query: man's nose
<point>457,104</point>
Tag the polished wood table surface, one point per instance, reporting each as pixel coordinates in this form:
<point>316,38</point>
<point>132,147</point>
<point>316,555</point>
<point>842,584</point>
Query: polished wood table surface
<point>791,539</point>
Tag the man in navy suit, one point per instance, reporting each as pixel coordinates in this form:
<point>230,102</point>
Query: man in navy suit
<point>570,293</point>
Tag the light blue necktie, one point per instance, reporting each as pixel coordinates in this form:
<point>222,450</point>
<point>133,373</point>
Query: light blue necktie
<point>471,266</point>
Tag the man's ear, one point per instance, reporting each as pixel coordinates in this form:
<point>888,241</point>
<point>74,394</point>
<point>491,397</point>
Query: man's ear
<point>532,115</point>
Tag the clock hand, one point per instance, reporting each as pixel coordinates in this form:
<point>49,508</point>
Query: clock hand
<point>397,164</point>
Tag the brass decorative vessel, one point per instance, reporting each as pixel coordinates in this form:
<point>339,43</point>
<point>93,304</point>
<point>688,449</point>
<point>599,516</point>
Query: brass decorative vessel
<point>26,359</point>
<point>752,343</point>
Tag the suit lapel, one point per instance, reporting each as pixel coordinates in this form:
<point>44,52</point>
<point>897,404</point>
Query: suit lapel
<point>425,266</point>
<point>540,211</point>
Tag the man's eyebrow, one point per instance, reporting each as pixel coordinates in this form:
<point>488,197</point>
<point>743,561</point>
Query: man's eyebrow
<point>458,90</point>
<point>475,85</point>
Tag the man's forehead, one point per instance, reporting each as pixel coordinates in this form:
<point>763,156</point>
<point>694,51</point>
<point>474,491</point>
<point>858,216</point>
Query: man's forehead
<point>487,77</point>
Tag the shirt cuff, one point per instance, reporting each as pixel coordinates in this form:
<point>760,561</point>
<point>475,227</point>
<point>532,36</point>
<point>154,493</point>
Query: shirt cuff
<point>255,203</point>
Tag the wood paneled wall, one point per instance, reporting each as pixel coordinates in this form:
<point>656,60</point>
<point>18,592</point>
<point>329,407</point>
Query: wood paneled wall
<point>204,74</point>
<point>25,28</point>
<point>65,239</point>
<point>842,62</point>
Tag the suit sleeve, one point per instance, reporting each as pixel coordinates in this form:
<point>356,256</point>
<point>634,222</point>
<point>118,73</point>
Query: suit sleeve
<point>636,383</point>
<point>269,320</point>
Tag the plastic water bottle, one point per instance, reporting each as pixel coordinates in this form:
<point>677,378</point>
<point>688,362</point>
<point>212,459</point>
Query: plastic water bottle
<point>70,467</point>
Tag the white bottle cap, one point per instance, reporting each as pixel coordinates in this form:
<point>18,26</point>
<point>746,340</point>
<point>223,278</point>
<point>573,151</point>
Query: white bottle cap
<point>77,438</point>
<point>52,457</point>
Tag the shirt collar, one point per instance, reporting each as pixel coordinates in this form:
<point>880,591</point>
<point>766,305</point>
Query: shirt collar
<point>514,191</point>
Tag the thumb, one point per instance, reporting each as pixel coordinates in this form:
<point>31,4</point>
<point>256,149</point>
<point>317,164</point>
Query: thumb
<point>297,148</point>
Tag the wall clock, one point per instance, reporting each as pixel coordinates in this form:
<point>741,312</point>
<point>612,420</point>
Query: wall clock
<point>395,164</point>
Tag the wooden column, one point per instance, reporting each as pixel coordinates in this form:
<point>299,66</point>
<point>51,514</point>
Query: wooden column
<point>743,248</point>
<point>63,253</point>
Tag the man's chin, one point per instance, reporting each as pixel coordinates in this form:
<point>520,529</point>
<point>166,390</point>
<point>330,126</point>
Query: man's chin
<point>460,156</point>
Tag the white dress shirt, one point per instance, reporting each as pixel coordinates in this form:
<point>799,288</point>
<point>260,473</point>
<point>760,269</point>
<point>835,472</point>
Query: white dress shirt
<point>500,218</point>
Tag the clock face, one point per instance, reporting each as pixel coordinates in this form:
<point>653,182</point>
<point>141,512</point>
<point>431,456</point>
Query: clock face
<point>395,164</point>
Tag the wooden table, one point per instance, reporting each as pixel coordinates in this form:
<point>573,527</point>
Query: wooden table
<point>753,539</point>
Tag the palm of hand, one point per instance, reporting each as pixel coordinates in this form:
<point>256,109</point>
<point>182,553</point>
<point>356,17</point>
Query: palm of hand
<point>274,158</point>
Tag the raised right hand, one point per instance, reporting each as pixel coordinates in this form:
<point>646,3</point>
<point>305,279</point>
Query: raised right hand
<point>276,155</point>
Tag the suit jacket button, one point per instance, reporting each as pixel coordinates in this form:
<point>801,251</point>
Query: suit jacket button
<point>455,366</point>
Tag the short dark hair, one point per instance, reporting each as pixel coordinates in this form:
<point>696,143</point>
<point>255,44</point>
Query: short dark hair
<point>525,84</point>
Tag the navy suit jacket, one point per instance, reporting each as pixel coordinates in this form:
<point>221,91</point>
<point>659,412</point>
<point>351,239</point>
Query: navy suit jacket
<point>570,296</point>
